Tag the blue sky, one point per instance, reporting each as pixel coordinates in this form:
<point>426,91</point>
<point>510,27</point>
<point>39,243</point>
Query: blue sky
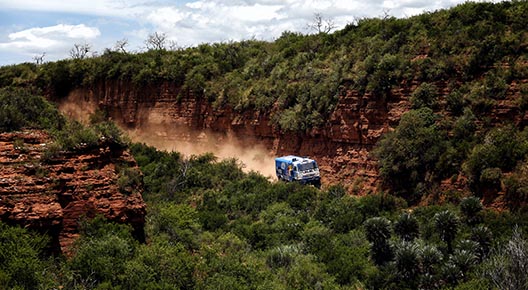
<point>33,27</point>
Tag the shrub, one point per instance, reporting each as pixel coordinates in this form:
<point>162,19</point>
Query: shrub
<point>21,108</point>
<point>470,207</point>
<point>407,261</point>
<point>424,96</point>
<point>20,263</point>
<point>338,214</point>
<point>282,256</point>
<point>347,257</point>
<point>501,148</point>
<point>75,136</point>
<point>506,268</point>
<point>406,227</point>
<point>315,237</point>
<point>516,186</point>
<point>491,177</point>
<point>130,180</point>
<point>178,221</point>
<point>409,154</point>
<point>306,273</point>
<point>102,251</point>
<point>378,232</point>
<point>446,224</point>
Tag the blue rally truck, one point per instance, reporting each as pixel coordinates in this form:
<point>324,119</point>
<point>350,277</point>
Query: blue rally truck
<point>297,169</point>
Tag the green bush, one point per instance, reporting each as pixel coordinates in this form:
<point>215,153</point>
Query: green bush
<point>179,222</point>
<point>21,266</point>
<point>447,226</point>
<point>101,253</point>
<point>406,227</point>
<point>470,207</point>
<point>159,265</point>
<point>378,232</point>
<point>21,108</point>
<point>424,96</point>
<point>129,181</point>
<point>408,155</point>
<point>501,148</point>
<point>282,256</point>
<point>516,186</point>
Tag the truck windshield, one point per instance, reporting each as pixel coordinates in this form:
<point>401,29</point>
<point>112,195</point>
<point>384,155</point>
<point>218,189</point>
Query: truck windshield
<point>307,166</point>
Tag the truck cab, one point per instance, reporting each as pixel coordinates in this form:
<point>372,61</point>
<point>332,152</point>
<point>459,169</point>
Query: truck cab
<point>297,169</point>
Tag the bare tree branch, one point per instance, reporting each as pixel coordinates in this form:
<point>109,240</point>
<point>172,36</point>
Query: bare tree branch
<point>120,45</point>
<point>156,41</point>
<point>321,25</point>
<point>80,51</point>
<point>39,58</point>
<point>173,45</point>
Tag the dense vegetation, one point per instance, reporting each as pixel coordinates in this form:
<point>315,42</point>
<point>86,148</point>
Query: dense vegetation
<point>212,226</point>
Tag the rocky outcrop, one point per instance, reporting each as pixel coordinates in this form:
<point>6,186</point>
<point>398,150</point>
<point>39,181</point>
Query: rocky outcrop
<point>53,195</point>
<point>342,145</point>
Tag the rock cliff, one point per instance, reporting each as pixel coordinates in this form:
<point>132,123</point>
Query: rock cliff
<point>53,195</point>
<point>341,145</point>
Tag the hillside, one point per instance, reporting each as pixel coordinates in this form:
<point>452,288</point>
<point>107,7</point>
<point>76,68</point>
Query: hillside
<point>329,96</point>
<point>418,124</point>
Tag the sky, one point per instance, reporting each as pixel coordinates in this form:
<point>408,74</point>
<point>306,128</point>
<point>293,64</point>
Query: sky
<point>50,28</point>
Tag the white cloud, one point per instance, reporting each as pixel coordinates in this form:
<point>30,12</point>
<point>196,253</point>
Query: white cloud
<point>117,8</point>
<point>191,22</point>
<point>236,18</point>
<point>49,39</point>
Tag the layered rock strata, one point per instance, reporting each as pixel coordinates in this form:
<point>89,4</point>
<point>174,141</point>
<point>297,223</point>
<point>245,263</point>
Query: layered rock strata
<point>53,195</point>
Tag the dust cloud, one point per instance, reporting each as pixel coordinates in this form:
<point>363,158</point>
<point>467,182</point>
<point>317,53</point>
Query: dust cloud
<point>166,134</point>
<point>75,107</point>
<point>254,157</point>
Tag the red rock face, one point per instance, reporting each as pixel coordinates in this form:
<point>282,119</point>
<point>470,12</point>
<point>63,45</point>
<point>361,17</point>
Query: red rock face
<point>54,195</point>
<point>341,146</point>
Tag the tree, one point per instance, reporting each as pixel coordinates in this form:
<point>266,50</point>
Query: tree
<point>39,58</point>
<point>424,96</point>
<point>407,227</point>
<point>321,25</point>
<point>156,41</point>
<point>80,50</point>
<point>470,208</point>
<point>408,155</point>
<point>446,224</point>
<point>431,258</point>
<point>121,45</point>
<point>378,231</point>
<point>483,237</point>
<point>407,261</point>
